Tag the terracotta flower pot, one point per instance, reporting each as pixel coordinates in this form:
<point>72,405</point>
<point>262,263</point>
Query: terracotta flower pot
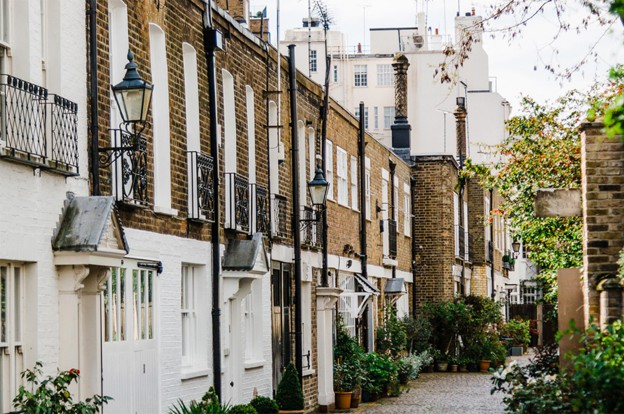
<point>442,366</point>
<point>454,367</point>
<point>484,365</point>
<point>343,400</point>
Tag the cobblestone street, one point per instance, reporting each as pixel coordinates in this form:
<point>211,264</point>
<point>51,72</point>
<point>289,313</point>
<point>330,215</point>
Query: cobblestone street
<point>444,393</point>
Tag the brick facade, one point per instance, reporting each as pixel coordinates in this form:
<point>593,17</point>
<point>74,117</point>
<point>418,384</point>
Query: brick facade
<point>602,161</point>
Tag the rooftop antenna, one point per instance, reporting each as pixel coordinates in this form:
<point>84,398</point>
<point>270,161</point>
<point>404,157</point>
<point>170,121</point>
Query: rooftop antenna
<point>364,7</point>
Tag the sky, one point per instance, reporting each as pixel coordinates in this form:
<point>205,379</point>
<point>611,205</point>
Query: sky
<point>517,66</point>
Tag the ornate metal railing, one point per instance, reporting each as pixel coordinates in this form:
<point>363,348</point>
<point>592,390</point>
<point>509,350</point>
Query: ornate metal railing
<point>129,168</point>
<point>280,216</point>
<point>31,135</point>
<point>64,133</point>
<point>392,238</point>
<point>237,202</point>
<point>310,232</point>
<point>201,186</point>
<point>261,209</point>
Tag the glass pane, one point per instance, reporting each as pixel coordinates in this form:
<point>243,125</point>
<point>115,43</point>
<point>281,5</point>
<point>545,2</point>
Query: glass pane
<point>17,288</point>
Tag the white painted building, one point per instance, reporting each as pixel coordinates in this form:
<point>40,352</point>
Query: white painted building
<point>49,309</point>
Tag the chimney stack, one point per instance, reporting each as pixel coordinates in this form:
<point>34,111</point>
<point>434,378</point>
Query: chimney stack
<point>460,129</point>
<point>400,129</point>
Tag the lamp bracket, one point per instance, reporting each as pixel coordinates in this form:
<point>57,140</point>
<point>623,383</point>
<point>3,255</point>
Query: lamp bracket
<point>131,130</point>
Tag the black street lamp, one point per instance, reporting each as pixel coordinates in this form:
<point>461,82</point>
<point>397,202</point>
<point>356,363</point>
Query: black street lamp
<point>318,188</point>
<point>133,95</point>
<point>516,247</point>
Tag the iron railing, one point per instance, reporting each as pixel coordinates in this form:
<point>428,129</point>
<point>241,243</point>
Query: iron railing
<point>392,238</point>
<point>237,202</point>
<point>280,216</point>
<point>35,130</point>
<point>129,167</point>
<point>261,209</point>
<point>201,186</point>
<point>310,232</point>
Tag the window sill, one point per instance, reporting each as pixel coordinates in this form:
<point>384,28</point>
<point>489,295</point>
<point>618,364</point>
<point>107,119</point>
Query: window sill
<point>308,372</point>
<point>254,363</point>
<point>167,211</point>
<point>190,373</point>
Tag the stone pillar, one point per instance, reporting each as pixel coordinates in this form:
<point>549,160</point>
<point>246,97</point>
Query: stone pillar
<point>610,300</point>
<point>326,299</point>
<point>602,164</point>
<point>400,129</point>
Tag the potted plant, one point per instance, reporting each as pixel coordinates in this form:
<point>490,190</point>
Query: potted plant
<point>289,395</point>
<point>442,362</point>
<point>343,384</point>
<point>453,363</point>
<point>264,405</point>
<point>463,364</point>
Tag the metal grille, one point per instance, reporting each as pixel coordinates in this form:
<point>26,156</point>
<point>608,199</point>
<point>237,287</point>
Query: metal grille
<point>238,207</point>
<point>131,185</point>
<point>392,238</point>
<point>262,210</point>
<point>30,134</point>
<point>280,216</point>
<point>24,119</point>
<point>64,134</point>
<point>201,186</point>
<point>309,233</point>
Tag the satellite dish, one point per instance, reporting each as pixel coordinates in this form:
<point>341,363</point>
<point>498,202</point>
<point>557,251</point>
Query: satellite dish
<point>419,41</point>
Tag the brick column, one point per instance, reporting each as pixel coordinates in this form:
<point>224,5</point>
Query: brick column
<point>602,166</point>
<point>610,300</point>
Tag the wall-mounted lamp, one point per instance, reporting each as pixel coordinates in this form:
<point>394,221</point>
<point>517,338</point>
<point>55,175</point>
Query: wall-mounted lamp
<point>133,96</point>
<point>516,247</point>
<point>318,188</point>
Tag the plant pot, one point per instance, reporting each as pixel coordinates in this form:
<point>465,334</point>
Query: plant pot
<point>430,368</point>
<point>343,400</point>
<point>463,368</point>
<point>454,367</point>
<point>355,402</point>
<point>356,395</point>
<point>484,365</point>
<point>369,396</point>
<point>442,366</point>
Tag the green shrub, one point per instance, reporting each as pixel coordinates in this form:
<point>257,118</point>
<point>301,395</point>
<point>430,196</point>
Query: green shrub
<point>418,332</point>
<point>209,404</point>
<point>51,394</point>
<point>518,331</point>
<point>289,395</point>
<point>243,409</point>
<point>344,376</point>
<point>391,336</point>
<point>264,405</point>
<point>379,371</point>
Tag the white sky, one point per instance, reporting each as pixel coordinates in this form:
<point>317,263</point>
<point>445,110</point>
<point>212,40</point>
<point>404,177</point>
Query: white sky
<point>512,64</point>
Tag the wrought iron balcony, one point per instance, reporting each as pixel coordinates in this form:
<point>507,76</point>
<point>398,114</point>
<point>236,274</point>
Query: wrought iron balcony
<point>392,238</point>
<point>129,167</point>
<point>37,128</point>
<point>280,216</point>
<point>310,234</point>
<point>237,202</point>
<point>201,195</point>
<point>261,209</point>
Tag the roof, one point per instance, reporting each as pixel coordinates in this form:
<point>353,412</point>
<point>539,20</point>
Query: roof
<point>395,286</point>
<point>88,224</point>
<point>365,284</point>
<point>243,255</point>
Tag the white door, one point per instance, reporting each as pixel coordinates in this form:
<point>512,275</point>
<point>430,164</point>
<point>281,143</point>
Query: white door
<point>130,359</point>
<point>11,327</point>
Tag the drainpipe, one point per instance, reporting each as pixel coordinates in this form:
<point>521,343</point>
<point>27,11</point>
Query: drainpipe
<point>362,153</point>
<point>292,75</point>
<point>414,247</point>
<point>95,160</point>
<point>460,128</point>
<point>210,35</point>
<point>392,166</point>
<point>492,241</point>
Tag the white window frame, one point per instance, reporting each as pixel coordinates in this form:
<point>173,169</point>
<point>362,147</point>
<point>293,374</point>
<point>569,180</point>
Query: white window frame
<point>5,24</point>
<point>354,184</point>
<point>385,213</point>
<point>465,235</point>
<point>389,113</point>
<point>360,75</point>
<point>385,75</point>
<point>407,211</point>
<point>252,308</point>
<point>376,117</point>
<point>313,61</point>
<point>396,204</point>
<point>342,176</point>
<point>456,221</point>
<point>306,322</point>
<point>12,294</point>
<point>194,350</point>
<point>329,168</point>
<point>367,176</point>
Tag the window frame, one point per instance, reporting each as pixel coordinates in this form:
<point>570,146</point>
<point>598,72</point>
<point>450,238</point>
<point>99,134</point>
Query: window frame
<point>313,61</point>
<point>342,176</point>
<point>360,76</point>
<point>389,115</point>
<point>385,75</point>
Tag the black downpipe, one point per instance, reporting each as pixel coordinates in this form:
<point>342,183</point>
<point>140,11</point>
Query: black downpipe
<point>392,166</point>
<point>95,160</point>
<point>292,74</point>
<point>363,206</point>
<point>492,241</point>
<point>462,290</point>
<point>209,46</point>
<point>415,248</point>
<point>325,111</point>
